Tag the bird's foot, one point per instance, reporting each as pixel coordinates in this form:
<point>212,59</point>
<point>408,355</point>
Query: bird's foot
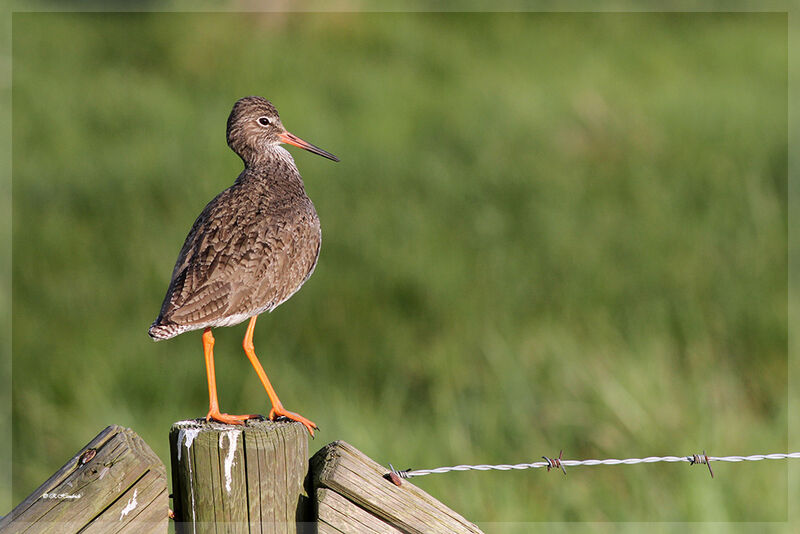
<point>280,411</point>
<point>215,415</point>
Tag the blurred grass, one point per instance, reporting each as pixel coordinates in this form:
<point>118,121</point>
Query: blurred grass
<point>5,262</point>
<point>547,231</point>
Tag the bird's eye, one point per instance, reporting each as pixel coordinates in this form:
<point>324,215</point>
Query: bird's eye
<point>263,121</point>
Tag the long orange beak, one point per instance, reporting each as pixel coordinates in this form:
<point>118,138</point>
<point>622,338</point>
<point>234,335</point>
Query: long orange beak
<point>292,139</point>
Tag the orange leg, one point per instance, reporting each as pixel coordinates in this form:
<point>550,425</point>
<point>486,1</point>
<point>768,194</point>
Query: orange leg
<point>213,403</point>
<point>277,408</point>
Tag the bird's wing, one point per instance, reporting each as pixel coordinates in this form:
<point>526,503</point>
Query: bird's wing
<point>233,264</point>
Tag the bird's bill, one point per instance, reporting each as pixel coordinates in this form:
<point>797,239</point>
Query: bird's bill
<point>292,139</point>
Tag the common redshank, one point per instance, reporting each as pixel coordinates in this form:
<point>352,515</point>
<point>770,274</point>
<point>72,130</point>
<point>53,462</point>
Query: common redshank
<point>250,249</point>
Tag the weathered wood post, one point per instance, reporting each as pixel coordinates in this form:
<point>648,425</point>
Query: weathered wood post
<point>116,483</point>
<point>249,478</point>
<point>354,496</point>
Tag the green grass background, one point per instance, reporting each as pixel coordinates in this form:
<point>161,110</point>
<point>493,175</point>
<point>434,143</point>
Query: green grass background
<point>547,231</point>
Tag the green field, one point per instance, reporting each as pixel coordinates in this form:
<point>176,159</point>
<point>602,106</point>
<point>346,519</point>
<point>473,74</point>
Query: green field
<point>547,231</point>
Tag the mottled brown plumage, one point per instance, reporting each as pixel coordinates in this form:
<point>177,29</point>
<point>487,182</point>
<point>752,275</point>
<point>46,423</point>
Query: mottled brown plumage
<point>251,247</point>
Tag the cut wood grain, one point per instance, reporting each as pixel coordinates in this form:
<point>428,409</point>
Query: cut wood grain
<point>116,483</point>
<point>359,480</point>
<point>336,514</point>
<point>231,478</point>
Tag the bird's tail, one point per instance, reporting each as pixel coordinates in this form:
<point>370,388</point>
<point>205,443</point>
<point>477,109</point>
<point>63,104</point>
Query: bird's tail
<point>159,330</point>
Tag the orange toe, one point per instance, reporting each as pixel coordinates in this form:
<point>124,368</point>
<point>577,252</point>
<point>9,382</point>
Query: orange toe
<point>229,419</point>
<point>280,411</point>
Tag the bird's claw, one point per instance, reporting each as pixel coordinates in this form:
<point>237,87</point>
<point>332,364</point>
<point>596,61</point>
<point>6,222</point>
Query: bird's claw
<point>229,419</point>
<point>282,412</point>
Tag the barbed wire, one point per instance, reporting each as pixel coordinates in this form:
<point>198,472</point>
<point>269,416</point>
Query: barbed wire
<point>559,463</point>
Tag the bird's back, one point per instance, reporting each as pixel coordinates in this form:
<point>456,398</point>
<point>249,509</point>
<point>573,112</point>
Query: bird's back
<point>249,250</point>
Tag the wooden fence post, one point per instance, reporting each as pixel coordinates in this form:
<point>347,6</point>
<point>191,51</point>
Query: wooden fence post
<point>249,478</point>
<point>354,496</point>
<point>116,483</point>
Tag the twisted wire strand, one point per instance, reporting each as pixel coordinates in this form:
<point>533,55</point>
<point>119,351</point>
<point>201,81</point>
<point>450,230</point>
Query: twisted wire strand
<point>559,463</point>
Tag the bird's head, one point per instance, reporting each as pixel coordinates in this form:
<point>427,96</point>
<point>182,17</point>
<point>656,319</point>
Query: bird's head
<point>255,130</point>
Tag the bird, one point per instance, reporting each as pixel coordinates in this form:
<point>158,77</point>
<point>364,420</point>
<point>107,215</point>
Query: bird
<point>250,249</point>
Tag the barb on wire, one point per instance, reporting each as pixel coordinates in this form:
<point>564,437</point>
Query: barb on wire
<point>555,462</point>
<point>701,459</point>
<point>694,459</point>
